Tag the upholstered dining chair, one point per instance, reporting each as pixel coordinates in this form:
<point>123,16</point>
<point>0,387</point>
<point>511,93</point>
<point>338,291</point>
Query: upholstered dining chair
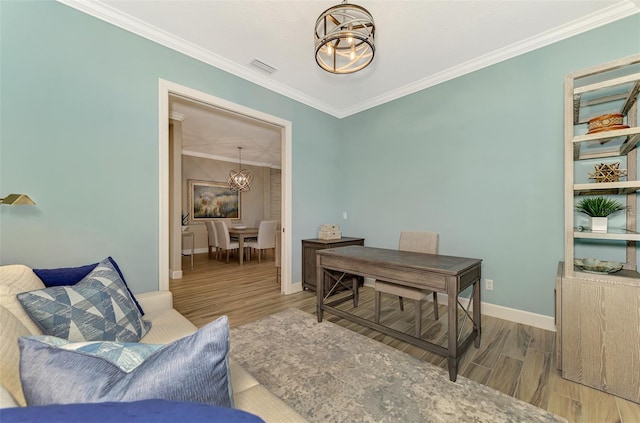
<point>277,252</point>
<point>212,238</point>
<point>417,242</point>
<point>266,237</point>
<point>224,240</point>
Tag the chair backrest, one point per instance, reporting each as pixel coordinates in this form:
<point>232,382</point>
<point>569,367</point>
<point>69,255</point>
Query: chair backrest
<point>211,233</point>
<point>418,242</point>
<point>222,234</point>
<point>267,234</point>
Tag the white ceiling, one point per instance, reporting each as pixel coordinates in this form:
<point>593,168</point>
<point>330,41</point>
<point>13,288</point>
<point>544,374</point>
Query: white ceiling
<point>418,43</point>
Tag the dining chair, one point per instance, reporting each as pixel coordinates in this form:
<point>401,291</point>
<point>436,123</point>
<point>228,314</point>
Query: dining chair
<point>224,240</point>
<point>417,242</point>
<point>277,252</point>
<point>212,238</point>
<point>266,237</point>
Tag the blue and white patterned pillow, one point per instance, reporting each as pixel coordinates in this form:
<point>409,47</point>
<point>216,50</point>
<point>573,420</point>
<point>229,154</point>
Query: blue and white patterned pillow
<point>126,355</point>
<point>98,308</point>
<point>194,368</point>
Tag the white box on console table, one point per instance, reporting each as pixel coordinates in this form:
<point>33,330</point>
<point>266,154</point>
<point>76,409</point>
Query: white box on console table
<point>329,234</point>
<point>329,228</point>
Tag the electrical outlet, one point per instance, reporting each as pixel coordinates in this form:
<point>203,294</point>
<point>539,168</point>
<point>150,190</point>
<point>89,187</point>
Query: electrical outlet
<point>345,216</point>
<point>488,284</point>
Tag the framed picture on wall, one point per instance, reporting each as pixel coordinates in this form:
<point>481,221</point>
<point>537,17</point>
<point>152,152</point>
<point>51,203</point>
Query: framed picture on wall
<point>213,200</point>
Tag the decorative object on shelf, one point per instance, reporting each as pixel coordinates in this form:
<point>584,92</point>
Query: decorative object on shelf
<point>185,221</point>
<point>17,199</point>
<point>344,38</point>
<point>213,200</point>
<point>608,122</point>
<point>599,208</point>
<point>608,172</point>
<point>240,179</point>
<point>328,231</point>
<point>601,267</point>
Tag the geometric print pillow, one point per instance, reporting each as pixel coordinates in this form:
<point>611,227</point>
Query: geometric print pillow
<point>98,308</point>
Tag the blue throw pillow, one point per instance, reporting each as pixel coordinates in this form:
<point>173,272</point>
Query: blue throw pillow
<point>98,308</point>
<point>194,368</point>
<point>64,276</point>
<point>147,411</point>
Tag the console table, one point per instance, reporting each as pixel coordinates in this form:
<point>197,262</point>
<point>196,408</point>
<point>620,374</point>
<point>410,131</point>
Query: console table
<point>447,274</point>
<point>309,249</point>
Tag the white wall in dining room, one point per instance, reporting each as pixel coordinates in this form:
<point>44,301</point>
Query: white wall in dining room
<point>252,202</point>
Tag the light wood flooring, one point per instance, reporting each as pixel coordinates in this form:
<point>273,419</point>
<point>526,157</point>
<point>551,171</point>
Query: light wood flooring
<point>513,358</point>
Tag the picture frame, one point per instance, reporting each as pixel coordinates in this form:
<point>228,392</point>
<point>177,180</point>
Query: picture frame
<point>210,200</point>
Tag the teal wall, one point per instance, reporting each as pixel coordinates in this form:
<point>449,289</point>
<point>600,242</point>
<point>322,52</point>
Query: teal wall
<point>478,159</point>
<point>79,134</point>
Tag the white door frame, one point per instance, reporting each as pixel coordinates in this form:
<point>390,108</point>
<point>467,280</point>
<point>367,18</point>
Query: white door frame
<point>165,88</point>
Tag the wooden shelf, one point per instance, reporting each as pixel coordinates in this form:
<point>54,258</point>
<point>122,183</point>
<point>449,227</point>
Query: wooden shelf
<point>606,188</point>
<point>611,234</point>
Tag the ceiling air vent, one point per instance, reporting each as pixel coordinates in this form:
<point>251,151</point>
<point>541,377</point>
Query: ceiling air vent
<point>263,66</point>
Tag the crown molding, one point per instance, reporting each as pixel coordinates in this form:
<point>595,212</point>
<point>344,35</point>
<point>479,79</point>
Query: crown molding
<point>108,14</point>
<point>228,160</point>
<point>101,11</point>
<point>589,22</point>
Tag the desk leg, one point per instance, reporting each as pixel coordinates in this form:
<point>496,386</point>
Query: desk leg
<point>476,314</point>
<point>319,288</point>
<point>355,289</point>
<point>452,311</point>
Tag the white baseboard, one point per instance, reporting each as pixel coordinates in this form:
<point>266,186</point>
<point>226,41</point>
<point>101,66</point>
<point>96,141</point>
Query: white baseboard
<point>175,274</point>
<point>501,312</point>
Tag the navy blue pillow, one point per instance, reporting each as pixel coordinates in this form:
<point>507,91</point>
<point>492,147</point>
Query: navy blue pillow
<point>152,411</point>
<point>65,276</point>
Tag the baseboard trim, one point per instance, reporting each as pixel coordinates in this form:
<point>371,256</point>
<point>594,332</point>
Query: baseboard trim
<point>175,274</point>
<point>501,312</point>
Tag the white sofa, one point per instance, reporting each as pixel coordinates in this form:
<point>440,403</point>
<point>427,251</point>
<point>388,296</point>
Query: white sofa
<point>167,326</point>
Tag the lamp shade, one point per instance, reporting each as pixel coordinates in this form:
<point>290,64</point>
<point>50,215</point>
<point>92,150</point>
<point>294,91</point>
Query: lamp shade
<point>17,199</point>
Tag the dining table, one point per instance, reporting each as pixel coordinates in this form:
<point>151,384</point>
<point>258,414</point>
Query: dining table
<point>242,233</point>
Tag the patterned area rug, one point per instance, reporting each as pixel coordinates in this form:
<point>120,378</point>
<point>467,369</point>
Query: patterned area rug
<point>330,374</point>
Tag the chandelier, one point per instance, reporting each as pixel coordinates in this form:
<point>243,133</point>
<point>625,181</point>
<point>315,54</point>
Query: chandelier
<point>240,180</point>
<point>344,38</point>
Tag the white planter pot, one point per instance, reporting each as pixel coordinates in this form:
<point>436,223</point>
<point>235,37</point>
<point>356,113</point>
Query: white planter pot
<point>598,224</point>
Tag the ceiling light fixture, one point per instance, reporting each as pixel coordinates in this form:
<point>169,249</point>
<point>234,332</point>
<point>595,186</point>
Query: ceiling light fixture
<point>240,180</point>
<point>344,38</point>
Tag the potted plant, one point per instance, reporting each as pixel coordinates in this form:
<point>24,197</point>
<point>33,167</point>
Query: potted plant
<point>598,209</point>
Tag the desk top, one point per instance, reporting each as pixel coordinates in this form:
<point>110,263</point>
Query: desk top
<point>449,265</point>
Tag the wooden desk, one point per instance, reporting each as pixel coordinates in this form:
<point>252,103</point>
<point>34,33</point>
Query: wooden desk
<point>447,274</point>
<point>241,234</point>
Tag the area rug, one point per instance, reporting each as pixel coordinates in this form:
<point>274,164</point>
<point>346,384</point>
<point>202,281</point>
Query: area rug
<point>331,374</point>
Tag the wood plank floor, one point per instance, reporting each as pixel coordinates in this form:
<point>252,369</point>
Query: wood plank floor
<point>513,358</point>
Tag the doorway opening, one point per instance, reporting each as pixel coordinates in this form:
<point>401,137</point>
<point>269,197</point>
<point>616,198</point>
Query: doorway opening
<point>171,226</point>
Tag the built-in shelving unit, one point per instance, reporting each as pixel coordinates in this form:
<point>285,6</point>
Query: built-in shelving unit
<point>610,88</point>
<point>597,319</point>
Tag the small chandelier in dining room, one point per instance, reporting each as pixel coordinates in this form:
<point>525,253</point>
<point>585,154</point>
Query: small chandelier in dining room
<point>240,179</point>
<point>344,38</point>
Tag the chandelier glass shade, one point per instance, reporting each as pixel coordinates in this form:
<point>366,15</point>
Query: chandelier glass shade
<point>344,39</point>
<point>240,179</point>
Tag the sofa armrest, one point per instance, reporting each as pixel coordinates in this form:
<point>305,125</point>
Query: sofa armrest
<point>155,301</point>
